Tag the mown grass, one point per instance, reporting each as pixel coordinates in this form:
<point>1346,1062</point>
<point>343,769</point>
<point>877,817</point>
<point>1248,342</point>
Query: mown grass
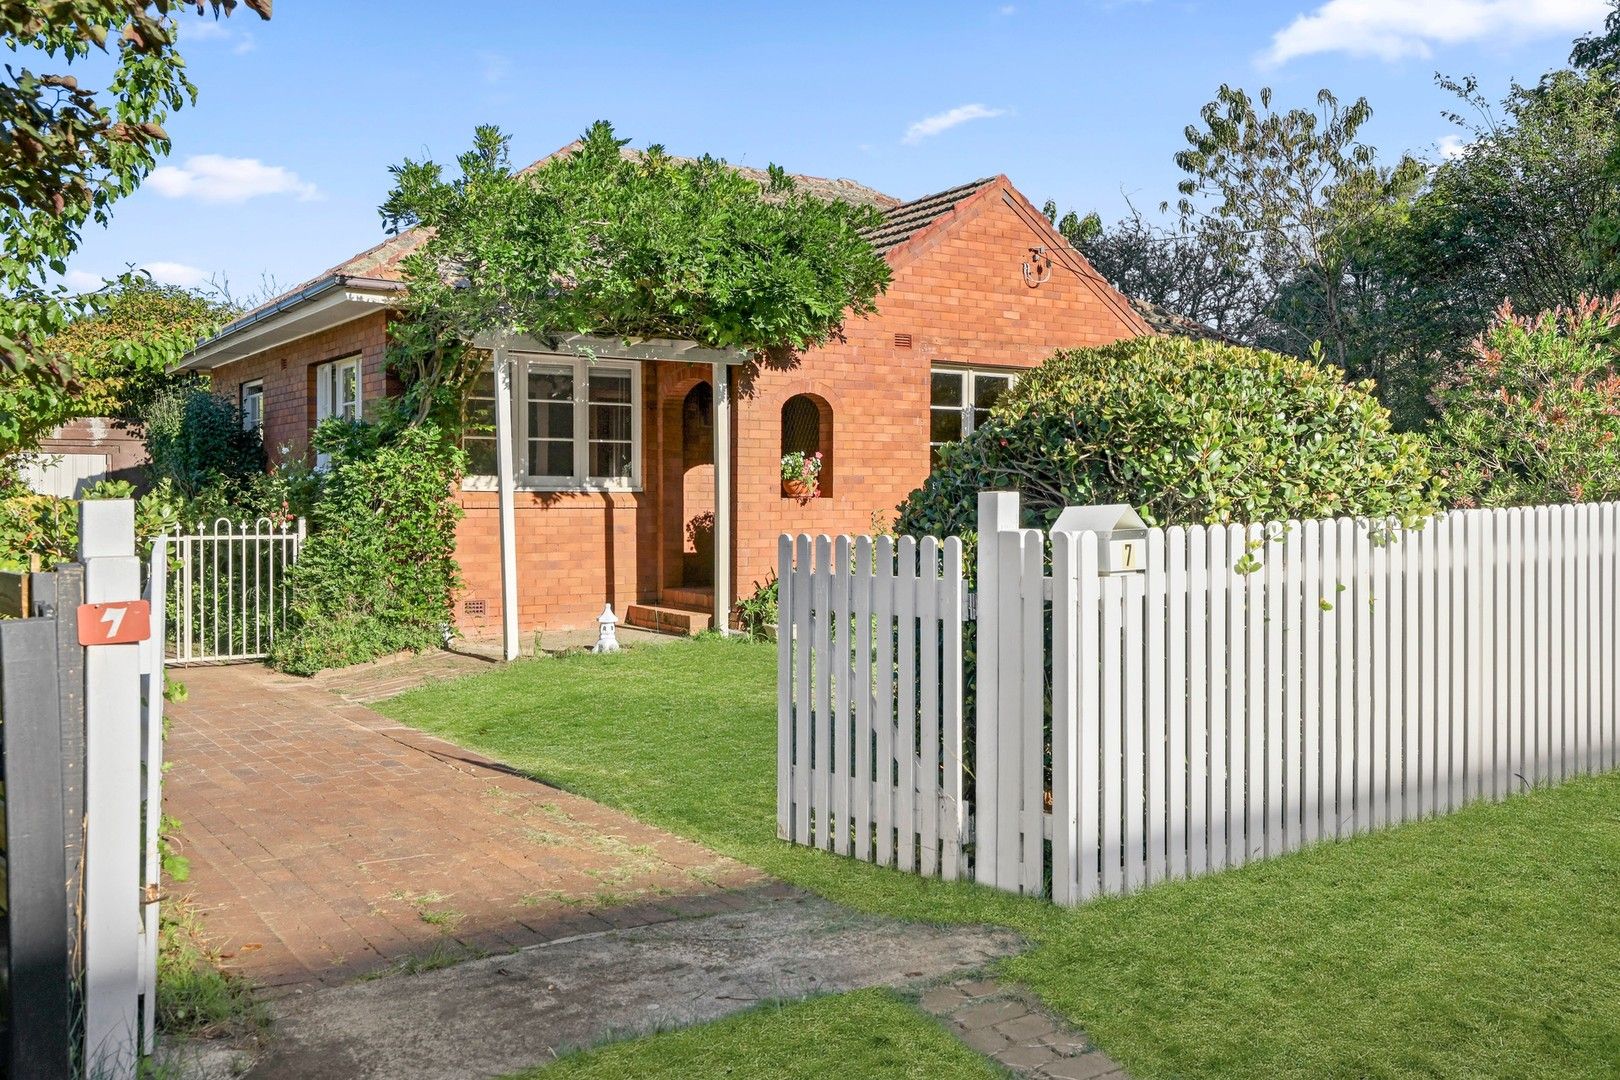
<point>1486,943</point>
<point>867,1034</point>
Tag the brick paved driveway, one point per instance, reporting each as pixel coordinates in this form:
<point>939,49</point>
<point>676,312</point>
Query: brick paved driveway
<point>326,841</point>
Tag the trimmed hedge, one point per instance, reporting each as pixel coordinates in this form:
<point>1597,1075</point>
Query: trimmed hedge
<point>1187,432</point>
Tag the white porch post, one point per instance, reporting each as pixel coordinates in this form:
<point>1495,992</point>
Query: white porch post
<point>505,471</point>
<point>722,497</point>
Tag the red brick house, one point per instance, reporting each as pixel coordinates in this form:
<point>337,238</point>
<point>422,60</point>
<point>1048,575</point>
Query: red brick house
<point>648,476</point>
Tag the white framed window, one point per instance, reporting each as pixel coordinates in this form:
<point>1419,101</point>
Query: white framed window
<point>576,425</point>
<point>959,400</point>
<point>337,395</point>
<point>337,390</point>
<point>252,405</point>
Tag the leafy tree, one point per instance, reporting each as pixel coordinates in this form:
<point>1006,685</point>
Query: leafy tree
<point>1198,274</point>
<point>120,354</point>
<point>68,152</point>
<point>1533,415</point>
<point>1188,432</point>
<point>1286,190</point>
<point>607,242</point>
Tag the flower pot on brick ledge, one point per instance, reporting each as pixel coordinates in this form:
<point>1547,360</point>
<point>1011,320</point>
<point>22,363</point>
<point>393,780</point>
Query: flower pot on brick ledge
<point>801,475</point>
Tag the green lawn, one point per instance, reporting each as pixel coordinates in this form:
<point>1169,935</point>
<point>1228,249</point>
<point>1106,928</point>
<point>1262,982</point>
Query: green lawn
<point>1483,944</point>
<point>868,1033</point>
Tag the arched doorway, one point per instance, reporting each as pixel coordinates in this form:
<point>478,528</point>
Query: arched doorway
<point>697,486</point>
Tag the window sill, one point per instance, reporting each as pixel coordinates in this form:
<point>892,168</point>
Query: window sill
<point>490,484</point>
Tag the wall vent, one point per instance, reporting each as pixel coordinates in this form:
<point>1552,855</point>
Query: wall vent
<point>475,609</point>
<point>902,341</point>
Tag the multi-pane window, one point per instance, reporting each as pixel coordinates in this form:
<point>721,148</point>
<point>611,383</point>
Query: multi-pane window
<point>575,423</point>
<point>550,402</point>
<point>252,403</point>
<point>611,403</point>
<point>960,400</point>
<point>478,432</point>
<point>337,395</point>
<point>337,390</point>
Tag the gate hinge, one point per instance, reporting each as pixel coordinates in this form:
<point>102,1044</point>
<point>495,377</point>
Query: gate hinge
<point>970,606</point>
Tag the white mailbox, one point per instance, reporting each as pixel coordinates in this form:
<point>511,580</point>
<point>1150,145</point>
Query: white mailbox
<point>1120,528</point>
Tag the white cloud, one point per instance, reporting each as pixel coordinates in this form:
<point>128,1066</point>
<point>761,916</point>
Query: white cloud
<point>1007,9</point>
<point>216,179</point>
<point>1393,29</point>
<point>1451,146</point>
<point>173,273</point>
<point>205,30</point>
<point>81,281</point>
<point>933,125</point>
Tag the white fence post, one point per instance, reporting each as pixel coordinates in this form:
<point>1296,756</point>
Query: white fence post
<point>998,514</point>
<point>113,945</point>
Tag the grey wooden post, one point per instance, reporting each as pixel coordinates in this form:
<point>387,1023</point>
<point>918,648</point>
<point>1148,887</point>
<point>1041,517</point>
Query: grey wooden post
<point>112,894</point>
<point>722,497</point>
<point>39,1040</point>
<point>56,596</point>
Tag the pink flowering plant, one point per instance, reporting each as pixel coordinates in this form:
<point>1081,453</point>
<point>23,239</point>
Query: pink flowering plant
<point>801,468</point>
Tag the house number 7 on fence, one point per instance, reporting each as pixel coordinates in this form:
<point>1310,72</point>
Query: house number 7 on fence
<point>122,623</point>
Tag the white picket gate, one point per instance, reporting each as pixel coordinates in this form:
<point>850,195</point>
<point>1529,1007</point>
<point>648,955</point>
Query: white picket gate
<point>228,587</point>
<point>869,734</point>
<point>1249,691</point>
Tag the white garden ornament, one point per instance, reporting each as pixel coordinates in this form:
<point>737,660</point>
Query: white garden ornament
<point>607,640</point>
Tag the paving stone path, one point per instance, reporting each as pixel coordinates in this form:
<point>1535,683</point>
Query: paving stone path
<point>1011,1027</point>
<point>326,841</point>
<point>329,844</point>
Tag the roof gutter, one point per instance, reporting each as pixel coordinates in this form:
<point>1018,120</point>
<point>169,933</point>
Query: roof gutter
<point>292,300</point>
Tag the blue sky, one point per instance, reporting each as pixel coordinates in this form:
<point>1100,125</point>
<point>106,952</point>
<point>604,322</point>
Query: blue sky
<point>279,168</point>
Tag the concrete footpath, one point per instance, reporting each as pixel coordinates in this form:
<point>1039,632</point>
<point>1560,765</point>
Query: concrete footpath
<point>494,1016</point>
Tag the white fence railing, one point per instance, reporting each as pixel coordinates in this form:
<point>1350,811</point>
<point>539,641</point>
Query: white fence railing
<point>1248,691</point>
<point>869,737</point>
<point>228,587</point>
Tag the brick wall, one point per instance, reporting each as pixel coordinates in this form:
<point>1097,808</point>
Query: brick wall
<point>962,298</point>
<point>289,379</point>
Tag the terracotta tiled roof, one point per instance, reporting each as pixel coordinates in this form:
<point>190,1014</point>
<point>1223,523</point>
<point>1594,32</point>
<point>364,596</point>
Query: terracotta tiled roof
<point>904,221</point>
<point>1169,324</point>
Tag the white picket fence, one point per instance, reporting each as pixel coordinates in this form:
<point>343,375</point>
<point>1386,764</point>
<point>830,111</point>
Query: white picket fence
<point>869,742</point>
<point>228,585</point>
<point>1251,690</point>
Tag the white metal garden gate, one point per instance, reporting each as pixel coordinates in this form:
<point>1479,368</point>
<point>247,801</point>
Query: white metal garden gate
<point>227,583</point>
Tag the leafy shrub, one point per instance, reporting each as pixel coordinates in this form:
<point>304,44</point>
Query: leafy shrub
<point>378,571</point>
<point>1534,415</point>
<point>33,524</point>
<point>758,609</point>
<point>1186,432</point>
<point>196,441</point>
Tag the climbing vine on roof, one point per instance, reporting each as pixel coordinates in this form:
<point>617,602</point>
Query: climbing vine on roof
<point>599,240</point>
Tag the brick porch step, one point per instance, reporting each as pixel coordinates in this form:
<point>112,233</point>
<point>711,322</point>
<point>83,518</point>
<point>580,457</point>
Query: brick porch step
<point>663,619</point>
<point>694,598</point>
